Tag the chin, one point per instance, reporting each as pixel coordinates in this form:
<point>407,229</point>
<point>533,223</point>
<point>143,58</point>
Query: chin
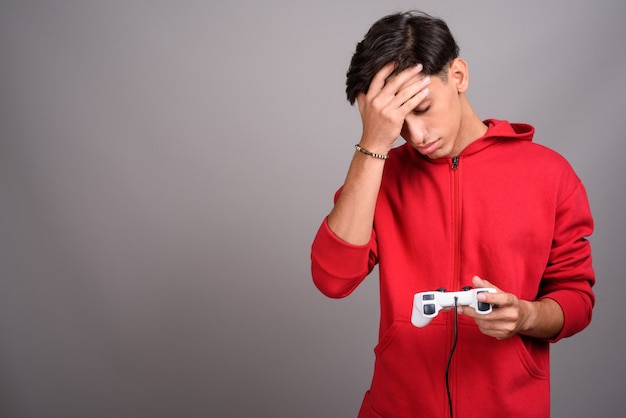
<point>438,153</point>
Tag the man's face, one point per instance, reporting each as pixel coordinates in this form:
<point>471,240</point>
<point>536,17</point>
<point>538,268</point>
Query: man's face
<point>434,127</point>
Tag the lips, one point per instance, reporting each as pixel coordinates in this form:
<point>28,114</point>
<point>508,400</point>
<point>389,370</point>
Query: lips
<point>428,148</point>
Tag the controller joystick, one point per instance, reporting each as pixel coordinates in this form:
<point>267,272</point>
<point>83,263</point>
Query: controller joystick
<point>426,305</point>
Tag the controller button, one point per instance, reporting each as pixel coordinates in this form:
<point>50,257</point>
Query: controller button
<point>429,309</point>
<point>429,296</point>
<point>466,288</point>
<point>482,306</point>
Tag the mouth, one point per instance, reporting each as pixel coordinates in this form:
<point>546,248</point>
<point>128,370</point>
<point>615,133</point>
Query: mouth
<point>428,148</point>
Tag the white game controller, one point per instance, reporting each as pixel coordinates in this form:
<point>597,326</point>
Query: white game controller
<point>426,305</point>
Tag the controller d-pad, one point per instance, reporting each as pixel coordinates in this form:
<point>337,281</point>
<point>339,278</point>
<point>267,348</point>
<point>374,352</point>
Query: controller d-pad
<point>429,309</point>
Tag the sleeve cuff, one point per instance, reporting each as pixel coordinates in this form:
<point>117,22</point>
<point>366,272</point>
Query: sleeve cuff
<point>337,266</point>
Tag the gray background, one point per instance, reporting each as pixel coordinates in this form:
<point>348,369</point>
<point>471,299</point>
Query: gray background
<point>164,166</point>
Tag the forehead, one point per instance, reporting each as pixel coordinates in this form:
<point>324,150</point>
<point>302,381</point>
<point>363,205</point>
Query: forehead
<point>438,83</point>
<point>441,90</point>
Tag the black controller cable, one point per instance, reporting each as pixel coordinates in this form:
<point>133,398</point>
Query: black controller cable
<point>456,335</point>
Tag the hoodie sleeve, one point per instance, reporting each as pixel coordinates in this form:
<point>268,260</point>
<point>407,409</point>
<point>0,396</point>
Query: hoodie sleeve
<point>569,276</point>
<point>338,267</point>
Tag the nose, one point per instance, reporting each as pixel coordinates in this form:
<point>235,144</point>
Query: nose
<point>414,130</point>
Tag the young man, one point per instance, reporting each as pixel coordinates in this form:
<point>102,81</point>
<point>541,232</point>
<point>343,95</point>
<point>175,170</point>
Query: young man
<point>463,202</point>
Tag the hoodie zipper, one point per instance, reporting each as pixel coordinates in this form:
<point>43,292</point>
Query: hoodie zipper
<point>455,163</point>
<point>456,280</point>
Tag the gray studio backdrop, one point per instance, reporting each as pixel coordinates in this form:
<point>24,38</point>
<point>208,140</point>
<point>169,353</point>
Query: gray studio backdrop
<point>164,166</point>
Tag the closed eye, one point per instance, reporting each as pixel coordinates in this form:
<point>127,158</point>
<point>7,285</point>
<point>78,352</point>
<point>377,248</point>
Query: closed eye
<point>421,111</point>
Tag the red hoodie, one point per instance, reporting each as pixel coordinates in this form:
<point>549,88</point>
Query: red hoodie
<point>508,210</point>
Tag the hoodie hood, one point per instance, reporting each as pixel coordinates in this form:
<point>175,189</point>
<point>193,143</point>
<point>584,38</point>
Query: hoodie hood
<point>496,130</point>
<point>500,129</point>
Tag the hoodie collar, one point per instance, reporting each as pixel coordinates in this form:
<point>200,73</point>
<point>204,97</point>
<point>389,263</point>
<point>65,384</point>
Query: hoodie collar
<point>496,129</point>
<point>499,129</point>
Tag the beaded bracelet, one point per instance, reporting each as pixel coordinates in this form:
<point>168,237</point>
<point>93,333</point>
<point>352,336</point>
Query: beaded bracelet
<point>371,154</point>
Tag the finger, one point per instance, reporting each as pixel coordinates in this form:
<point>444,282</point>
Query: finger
<point>378,82</point>
<point>419,77</point>
<point>397,82</point>
<point>479,282</point>
<point>495,299</point>
<point>498,301</point>
<point>411,96</point>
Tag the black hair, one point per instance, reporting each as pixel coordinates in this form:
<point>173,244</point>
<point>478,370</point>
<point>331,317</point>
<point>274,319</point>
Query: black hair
<point>406,38</point>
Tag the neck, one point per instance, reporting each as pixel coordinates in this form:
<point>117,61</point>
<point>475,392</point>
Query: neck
<point>471,128</point>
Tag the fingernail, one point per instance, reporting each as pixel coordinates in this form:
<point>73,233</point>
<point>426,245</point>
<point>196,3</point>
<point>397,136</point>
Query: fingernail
<point>419,67</point>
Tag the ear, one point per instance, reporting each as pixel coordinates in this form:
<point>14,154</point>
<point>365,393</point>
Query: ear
<point>458,73</point>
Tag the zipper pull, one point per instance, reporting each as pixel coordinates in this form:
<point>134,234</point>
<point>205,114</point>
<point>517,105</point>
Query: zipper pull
<point>455,162</point>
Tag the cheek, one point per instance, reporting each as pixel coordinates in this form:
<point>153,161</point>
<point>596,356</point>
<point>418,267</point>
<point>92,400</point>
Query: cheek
<point>450,119</point>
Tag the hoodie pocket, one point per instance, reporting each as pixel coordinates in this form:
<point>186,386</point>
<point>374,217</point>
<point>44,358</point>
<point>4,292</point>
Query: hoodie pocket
<point>409,373</point>
<point>511,357</point>
<point>502,374</point>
